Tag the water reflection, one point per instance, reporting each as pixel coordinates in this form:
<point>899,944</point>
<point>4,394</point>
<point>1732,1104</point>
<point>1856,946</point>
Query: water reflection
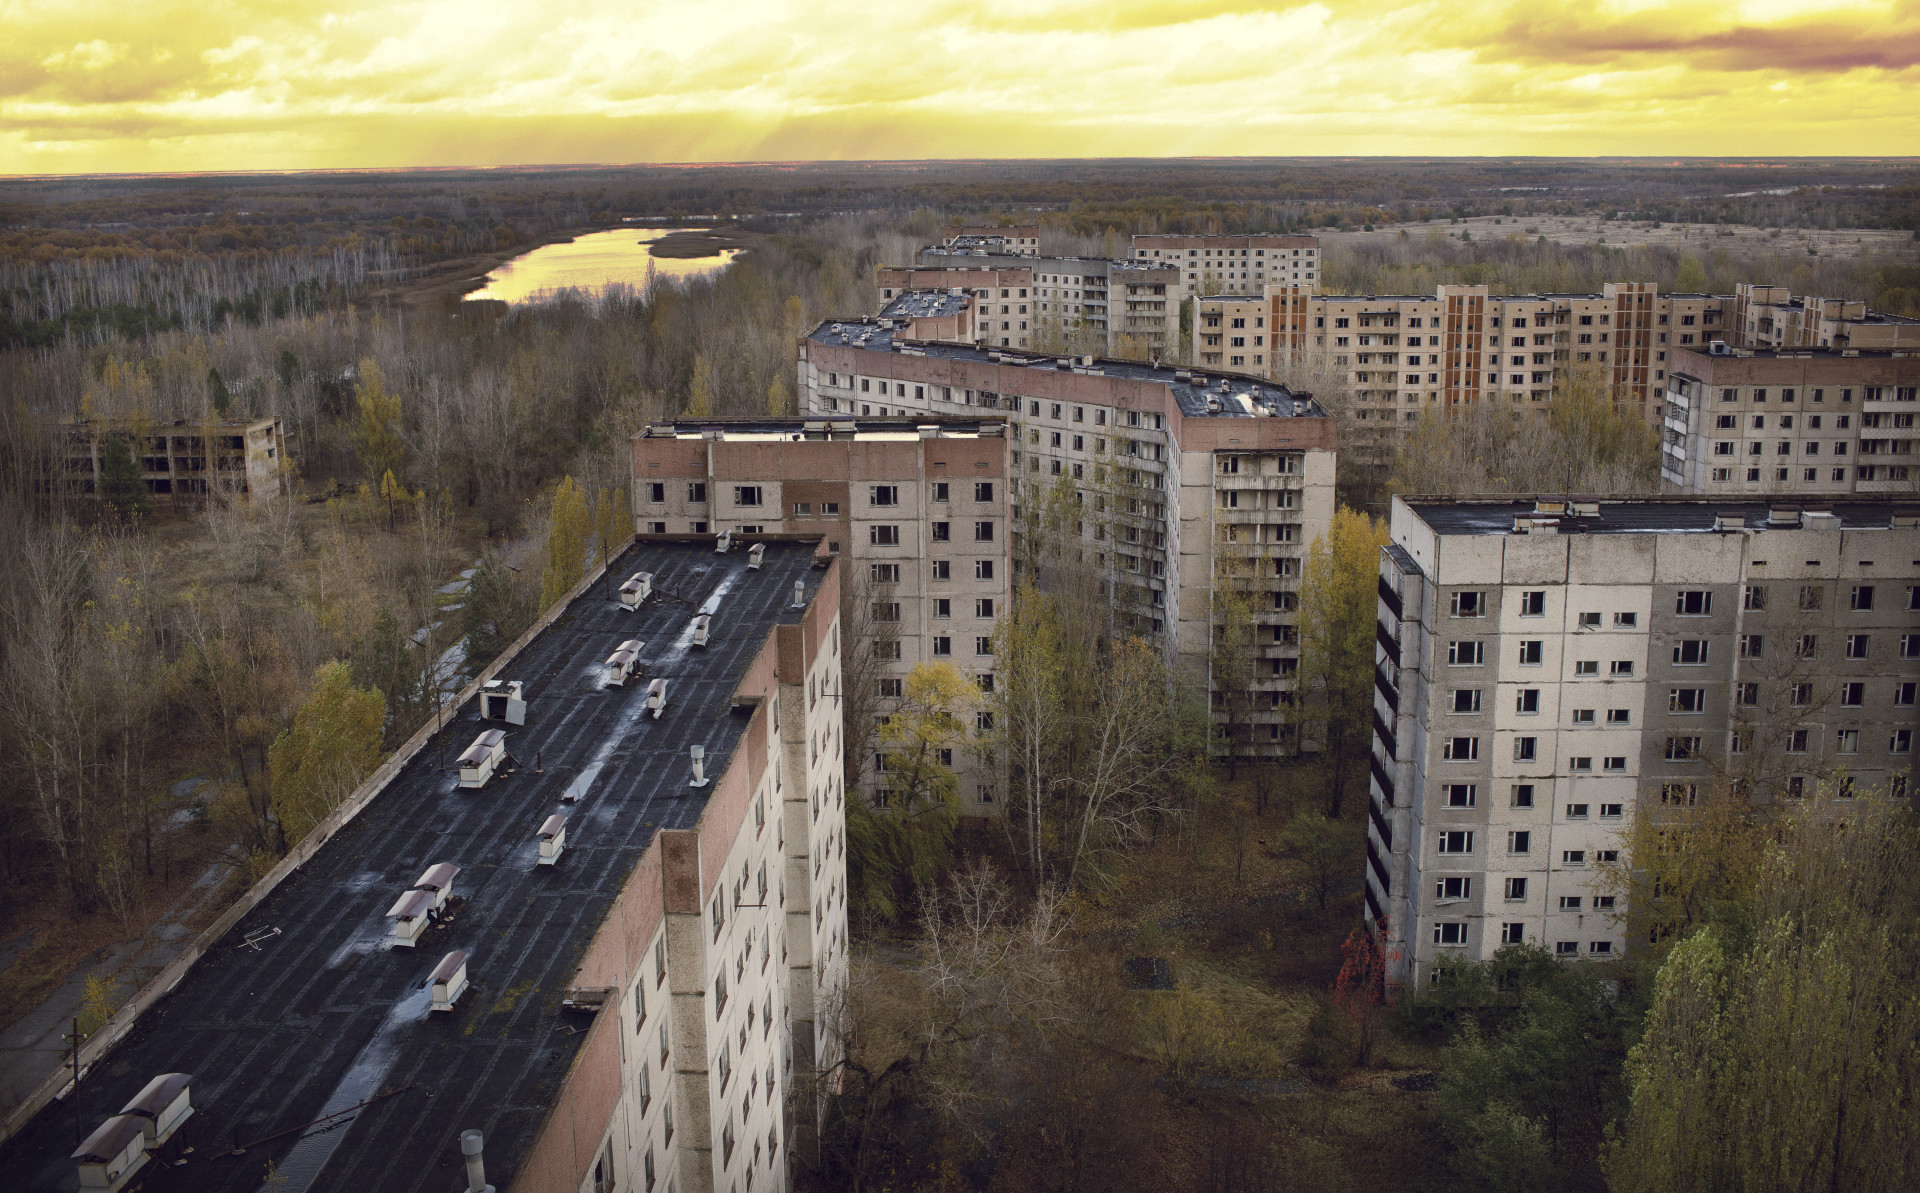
<point>592,262</point>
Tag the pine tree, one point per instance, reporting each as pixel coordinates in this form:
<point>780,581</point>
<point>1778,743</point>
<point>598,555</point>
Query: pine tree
<point>122,489</point>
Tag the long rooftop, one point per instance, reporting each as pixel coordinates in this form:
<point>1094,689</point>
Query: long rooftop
<point>1657,515</point>
<point>924,304</point>
<point>322,1014</point>
<point>750,428</point>
<point>1201,393</point>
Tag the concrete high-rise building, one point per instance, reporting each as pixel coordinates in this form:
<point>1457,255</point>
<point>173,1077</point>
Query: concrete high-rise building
<point>1003,299</point>
<point>1234,264</point>
<point>1547,671</point>
<point>1184,475</point>
<point>918,510</point>
<point>182,463</point>
<point>1020,239</point>
<point>622,965</point>
<point>1126,307</point>
<point>1771,317</point>
<point>1808,421</point>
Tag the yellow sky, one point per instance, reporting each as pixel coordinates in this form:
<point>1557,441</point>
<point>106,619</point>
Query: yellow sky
<point>134,85</point>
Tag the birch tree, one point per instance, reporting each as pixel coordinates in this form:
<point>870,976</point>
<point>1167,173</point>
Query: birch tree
<point>1337,613</point>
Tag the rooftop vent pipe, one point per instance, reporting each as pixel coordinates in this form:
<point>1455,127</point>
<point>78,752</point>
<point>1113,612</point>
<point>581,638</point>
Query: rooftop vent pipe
<point>799,594</point>
<point>699,755</point>
<point>470,1142</point>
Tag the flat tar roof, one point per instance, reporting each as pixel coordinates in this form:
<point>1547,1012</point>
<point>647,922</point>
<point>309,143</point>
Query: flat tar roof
<point>1644,515</point>
<point>1197,392</point>
<point>923,304</point>
<point>324,1015</point>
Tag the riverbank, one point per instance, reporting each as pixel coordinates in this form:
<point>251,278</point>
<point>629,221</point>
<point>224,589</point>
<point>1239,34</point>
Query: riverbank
<point>711,242</point>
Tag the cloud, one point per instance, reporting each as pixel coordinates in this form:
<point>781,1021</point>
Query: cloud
<point>88,84</point>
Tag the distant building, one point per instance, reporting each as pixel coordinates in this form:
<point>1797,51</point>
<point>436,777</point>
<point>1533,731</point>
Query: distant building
<point>1019,240</point>
<point>1234,264</point>
<point>1183,474</point>
<point>182,462</point>
<point>1811,421</point>
<point>917,509</point>
<point>933,314</point>
<point>1120,307</point>
<point>1002,296</point>
<point>1771,317</point>
<point>1548,671</point>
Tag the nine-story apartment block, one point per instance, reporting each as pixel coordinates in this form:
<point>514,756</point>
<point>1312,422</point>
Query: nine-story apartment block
<point>1546,672</point>
<point>1180,481</point>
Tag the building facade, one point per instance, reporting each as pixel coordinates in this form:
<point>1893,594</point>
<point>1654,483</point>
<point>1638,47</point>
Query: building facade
<point>1770,317</point>
<point>1234,264</point>
<point>184,463</point>
<point>1546,672</point>
<point>1181,481</point>
<point>1002,297</point>
<point>918,511</point>
<point>1020,240</point>
<point>1124,307</point>
<point>1812,421</point>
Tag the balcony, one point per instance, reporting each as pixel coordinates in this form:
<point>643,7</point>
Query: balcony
<point>1387,642</point>
<point>1385,687</point>
<point>1390,598</point>
<point>1380,824</point>
<point>1385,735</point>
<point>1380,775</point>
<point>1379,867</point>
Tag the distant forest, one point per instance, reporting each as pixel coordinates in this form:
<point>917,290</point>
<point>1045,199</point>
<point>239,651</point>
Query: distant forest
<point>99,258</point>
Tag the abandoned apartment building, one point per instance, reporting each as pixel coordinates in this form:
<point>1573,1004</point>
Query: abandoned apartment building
<point>1549,671</point>
<point>609,939</point>
<point>181,462</point>
<point>1180,481</point>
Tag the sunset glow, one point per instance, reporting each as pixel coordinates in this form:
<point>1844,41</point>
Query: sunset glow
<point>280,84</point>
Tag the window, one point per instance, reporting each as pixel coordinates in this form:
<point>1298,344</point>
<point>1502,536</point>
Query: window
<point>1600,948</point>
<point>1513,933</point>
<point>940,490</point>
<point>983,569</point>
<point>886,610</point>
<point>1797,741</point>
<point>884,573</point>
<point>657,492</point>
<point>1522,795</point>
<point>1460,795</point>
<point>1690,652</point>
<point>1533,604</point>
<point>746,494</point>
<point>942,646</point>
<point>1853,695</point>
<point>1619,716</point>
<point>1681,795</point>
<point>1847,741</point>
<point>942,531</point>
<point>1466,654</point>
<point>942,569</point>
<point>1455,934</point>
<point>1580,762</point>
<point>1573,857</point>
<point>1625,621</point>
<point>1585,667</point>
<point>1468,604</point>
<point>1516,889</point>
<point>884,536</point>
<point>1901,742</point>
<point>1566,948</point>
<point>1683,749</point>
<point>1583,716</point>
<point>1904,694</point>
<point>1755,597</point>
<point>1570,902</point>
<point>1857,646</point>
<point>983,607</point>
<point>1526,749</point>
<point>1520,841</point>
<point>942,607</point>
<point>1910,646</point>
<point>1692,603</point>
<point>1752,646</point>
<point>1455,841</point>
<point>983,532</point>
<point>983,645</point>
<point>1527,702</point>
<point>1460,749</point>
<point>983,491</point>
<point>697,492</point>
<point>1861,598</point>
<point>1686,700</point>
<point>1610,811</point>
<point>1453,888</point>
<point>1590,621</point>
<point>829,509</point>
<point>1809,646</point>
<point>1812,596</point>
<point>1531,650</point>
<point>1466,700</point>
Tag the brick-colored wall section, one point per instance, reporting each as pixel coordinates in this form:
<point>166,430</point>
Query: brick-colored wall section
<point>564,1149</point>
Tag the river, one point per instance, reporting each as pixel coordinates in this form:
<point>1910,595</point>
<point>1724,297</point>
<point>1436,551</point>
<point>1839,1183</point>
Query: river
<point>592,262</point>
